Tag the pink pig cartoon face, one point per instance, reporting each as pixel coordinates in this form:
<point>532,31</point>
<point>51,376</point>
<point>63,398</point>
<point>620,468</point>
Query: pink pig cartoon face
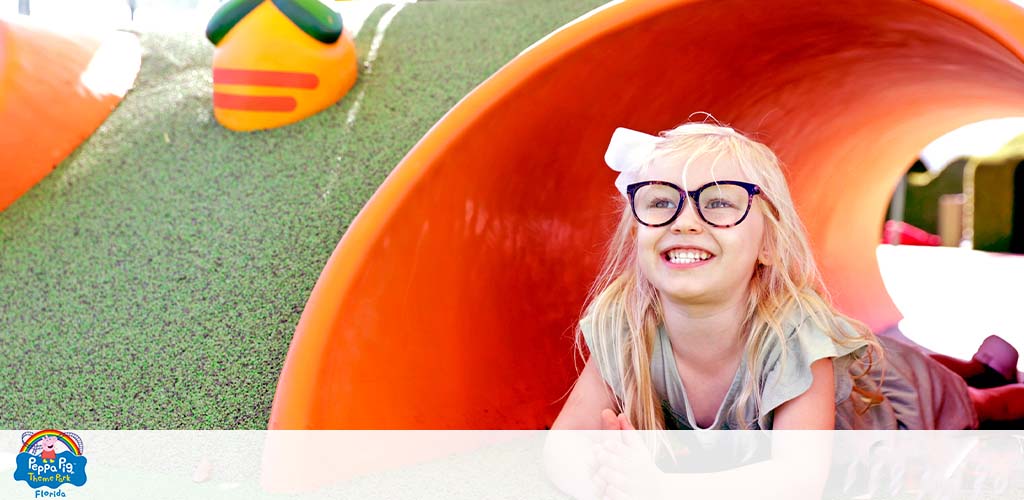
<point>48,452</point>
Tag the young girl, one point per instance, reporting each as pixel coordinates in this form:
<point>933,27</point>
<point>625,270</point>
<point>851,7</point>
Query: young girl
<point>710,312</point>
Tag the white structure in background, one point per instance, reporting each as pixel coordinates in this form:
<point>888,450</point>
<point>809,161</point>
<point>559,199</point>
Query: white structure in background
<point>163,15</point>
<point>952,298</point>
<point>87,14</point>
<point>977,139</point>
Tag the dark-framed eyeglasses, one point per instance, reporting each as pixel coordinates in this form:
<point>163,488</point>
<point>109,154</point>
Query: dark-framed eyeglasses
<point>720,204</point>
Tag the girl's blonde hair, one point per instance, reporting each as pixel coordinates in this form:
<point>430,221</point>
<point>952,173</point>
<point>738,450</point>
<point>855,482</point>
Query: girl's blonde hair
<point>623,310</point>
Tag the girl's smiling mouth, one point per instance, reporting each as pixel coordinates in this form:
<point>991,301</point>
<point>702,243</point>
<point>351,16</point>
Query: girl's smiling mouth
<point>686,257</point>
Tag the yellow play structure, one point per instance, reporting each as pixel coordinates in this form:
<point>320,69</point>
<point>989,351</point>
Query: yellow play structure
<point>278,61</point>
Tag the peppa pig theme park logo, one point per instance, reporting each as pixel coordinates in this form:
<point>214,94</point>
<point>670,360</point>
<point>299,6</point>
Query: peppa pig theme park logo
<point>50,458</point>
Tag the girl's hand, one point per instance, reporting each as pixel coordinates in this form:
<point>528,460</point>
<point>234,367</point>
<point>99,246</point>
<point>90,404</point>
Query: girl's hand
<point>625,469</point>
<point>609,422</point>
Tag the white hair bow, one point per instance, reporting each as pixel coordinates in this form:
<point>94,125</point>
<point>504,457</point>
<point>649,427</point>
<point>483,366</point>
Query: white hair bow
<point>627,154</point>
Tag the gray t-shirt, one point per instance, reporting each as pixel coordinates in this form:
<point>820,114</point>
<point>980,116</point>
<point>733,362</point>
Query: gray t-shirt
<point>919,393</point>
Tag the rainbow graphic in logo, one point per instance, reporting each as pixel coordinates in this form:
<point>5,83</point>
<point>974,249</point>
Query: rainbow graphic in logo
<point>51,458</point>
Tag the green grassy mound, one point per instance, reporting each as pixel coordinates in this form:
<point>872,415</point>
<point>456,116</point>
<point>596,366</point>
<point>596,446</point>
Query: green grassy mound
<point>155,278</point>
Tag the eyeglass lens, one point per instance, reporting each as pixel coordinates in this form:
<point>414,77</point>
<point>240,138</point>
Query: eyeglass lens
<point>719,204</point>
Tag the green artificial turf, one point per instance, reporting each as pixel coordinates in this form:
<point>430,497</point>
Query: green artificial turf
<point>155,278</point>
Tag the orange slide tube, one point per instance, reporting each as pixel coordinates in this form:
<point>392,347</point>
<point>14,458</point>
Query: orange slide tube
<point>450,301</point>
<point>55,90</point>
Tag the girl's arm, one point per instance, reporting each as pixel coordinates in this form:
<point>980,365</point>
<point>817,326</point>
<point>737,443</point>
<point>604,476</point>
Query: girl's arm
<point>815,409</point>
<point>798,469</point>
<point>801,457</point>
<point>590,395</point>
<point>569,460</point>
<point>799,466</point>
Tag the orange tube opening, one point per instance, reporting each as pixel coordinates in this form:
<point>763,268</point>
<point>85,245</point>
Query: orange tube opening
<point>451,301</point>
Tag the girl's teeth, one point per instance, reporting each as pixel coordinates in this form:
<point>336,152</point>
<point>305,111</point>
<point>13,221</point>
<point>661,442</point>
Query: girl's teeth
<point>687,257</point>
